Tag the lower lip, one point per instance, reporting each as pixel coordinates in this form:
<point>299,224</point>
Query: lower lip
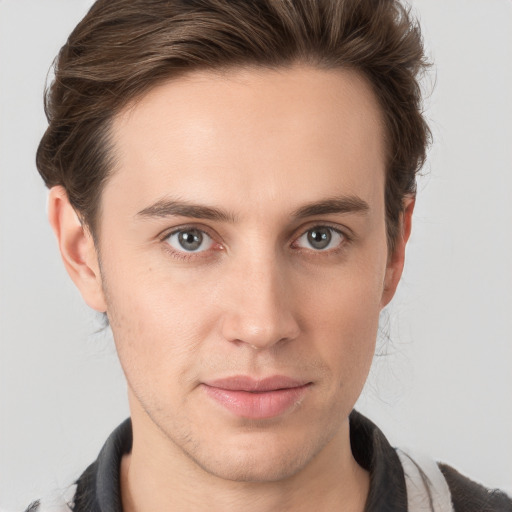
<point>266,404</point>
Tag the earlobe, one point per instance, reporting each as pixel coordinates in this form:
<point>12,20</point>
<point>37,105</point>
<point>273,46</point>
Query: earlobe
<point>77,248</point>
<point>397,259</point>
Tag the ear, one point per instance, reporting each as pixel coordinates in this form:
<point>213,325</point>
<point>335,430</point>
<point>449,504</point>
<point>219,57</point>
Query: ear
<point>396,260</point>
<point>76,248</point>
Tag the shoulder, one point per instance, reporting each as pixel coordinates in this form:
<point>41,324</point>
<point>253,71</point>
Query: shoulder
<point>469,496</point>
<point>59,501</point>
<point>439,487</point>
<point>98,486</point>
<point>42,506</point>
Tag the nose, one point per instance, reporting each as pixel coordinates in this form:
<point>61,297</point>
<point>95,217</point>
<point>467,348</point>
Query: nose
<point>259,310</point>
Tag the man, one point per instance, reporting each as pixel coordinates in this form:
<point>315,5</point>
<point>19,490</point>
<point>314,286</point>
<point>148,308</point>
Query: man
<point>232,184</point>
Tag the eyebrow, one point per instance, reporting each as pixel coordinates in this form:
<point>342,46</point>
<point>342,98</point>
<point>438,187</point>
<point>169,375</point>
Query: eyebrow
<point>178,208</point>
<point>170,208</point>
<point>343,204</point>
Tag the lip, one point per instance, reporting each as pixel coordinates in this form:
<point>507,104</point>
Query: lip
<point>257,398</point>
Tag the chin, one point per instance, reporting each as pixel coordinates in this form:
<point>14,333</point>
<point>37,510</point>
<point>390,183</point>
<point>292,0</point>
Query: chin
<point>259,456</point>
<point>254,467</point>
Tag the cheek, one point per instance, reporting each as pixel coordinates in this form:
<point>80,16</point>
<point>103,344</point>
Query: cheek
<point>158,319</point>
<point>343,316</point>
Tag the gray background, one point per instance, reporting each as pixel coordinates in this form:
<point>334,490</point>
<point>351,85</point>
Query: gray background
<point>444,387</point>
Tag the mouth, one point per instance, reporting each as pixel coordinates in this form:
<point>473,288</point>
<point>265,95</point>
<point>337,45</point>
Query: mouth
<point>257,398</point>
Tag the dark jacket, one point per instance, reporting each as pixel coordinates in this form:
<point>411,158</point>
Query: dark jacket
<point>98,488</point>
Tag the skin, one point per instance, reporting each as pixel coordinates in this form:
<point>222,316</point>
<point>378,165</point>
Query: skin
<point>257,298</point>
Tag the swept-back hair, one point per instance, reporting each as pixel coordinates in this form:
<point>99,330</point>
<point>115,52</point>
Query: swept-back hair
<point>123,48</point>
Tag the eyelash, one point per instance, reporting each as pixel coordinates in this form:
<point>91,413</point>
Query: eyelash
<point>345,239</point>
<point>184,255</point>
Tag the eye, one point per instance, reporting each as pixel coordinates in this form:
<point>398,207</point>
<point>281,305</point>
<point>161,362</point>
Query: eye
<point>189,240</point>
<point>321,238</point>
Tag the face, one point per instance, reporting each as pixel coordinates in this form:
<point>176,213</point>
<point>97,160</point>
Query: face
<point>244,263</point>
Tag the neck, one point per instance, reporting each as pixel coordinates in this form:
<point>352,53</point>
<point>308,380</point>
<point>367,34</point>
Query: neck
<point>157,476</point>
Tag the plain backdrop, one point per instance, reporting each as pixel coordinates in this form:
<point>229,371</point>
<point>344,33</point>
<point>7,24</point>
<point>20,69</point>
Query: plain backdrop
<point>442,381</point>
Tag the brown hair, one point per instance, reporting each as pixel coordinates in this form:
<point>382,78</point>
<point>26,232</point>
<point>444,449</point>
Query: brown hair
<point>122,48</point>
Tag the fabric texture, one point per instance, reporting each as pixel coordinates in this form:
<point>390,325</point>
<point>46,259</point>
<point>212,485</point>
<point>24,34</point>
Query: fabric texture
<point>427,488</point>
<point>399,480</point>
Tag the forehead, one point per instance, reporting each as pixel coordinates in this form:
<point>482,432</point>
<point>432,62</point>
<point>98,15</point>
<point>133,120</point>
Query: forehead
<point>249,136</point>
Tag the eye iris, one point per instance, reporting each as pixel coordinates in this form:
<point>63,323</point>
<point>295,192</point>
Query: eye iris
<point>190,240</point>
<point>319,238</point>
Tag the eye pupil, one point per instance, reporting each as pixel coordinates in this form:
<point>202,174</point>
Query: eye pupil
<point>319,238</point>
<point>190,240</point>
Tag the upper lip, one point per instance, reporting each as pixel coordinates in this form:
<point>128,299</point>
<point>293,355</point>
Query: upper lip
<point>247,383</point>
